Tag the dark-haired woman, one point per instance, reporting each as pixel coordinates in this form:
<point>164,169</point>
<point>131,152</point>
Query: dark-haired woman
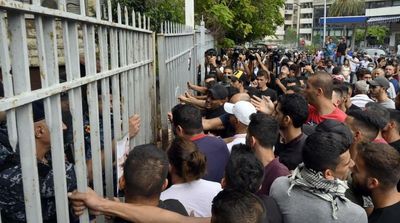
<point>187,167</point>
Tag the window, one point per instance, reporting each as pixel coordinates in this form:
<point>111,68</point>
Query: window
<point>289,6</point>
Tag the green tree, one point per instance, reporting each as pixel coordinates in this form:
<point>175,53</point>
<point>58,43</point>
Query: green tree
<point>290,36</point>
<point>347,8</point>
<point>230,21</point>
<point>375,35</point>
<point>158,11</point>
<point>240,20</point>
<point>378,33</point>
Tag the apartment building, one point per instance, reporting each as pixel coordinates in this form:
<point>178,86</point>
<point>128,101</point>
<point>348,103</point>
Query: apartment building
<point>304,8</point>
<point>386,12</point>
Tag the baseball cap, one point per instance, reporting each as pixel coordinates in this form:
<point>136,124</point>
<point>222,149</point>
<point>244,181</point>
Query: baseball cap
<point>218,91</point>
<point>361,86</point>
<point>241,110</point>
<point>38,110</point>
<point>211,52</point>
<point>238,76</point>
<point>380,81</point>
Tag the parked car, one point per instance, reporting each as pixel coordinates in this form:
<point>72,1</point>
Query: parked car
<point>372,51</point>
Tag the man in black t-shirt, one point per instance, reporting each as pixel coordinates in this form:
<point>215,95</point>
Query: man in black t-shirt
<point>263,78</point>
<point>341,51</point>
<point>376,173</point>
<point>145,177</point>
<point>291,113</point>
<point>391,132</point>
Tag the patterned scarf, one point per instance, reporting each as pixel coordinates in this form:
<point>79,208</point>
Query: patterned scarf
<point>315,183</point>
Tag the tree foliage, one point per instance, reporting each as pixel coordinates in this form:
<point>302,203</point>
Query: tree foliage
<point>228,20</point>
<point>240,20</point>
<point>375,35</point>
<point>347,8</point>
<point>158,11</point>
<point>290,36</point>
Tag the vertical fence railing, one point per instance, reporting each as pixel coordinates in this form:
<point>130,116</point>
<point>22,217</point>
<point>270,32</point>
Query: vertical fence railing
<point>118,61</point>
<point>108,63</point>
<point>180,53</point>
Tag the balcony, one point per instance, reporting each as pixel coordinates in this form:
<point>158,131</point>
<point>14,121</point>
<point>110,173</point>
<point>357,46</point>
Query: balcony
<point>306,10</point>
<point>384,11</point>
<point>288,22</point>
<point>280,32</point>
<point>306,21</point>
<point>305,1</point>
<point>306,31</point>
<point>288,12</point>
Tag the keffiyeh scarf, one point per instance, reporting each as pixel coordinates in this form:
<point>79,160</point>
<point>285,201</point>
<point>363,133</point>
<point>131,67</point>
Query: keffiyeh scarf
<point>315,183</point>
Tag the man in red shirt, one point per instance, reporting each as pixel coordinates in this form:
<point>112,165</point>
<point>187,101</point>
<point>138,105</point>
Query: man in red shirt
<point>319,96</point>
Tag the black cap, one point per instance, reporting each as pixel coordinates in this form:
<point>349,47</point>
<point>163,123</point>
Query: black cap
<point>38,110</point>
<point>380,81</point>
<point>211,52</point>
<point>218,92</point>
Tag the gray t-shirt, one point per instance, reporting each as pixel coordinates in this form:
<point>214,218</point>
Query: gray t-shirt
<point>302,206</point>
<point>389,104</point>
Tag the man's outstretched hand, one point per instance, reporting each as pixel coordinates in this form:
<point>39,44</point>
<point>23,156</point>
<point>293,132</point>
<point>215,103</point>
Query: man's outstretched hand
<point>82,200</point>
<point>134,125</point>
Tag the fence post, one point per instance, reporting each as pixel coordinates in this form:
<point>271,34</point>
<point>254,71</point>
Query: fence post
<point>162,71</point>
<point>202,50</point>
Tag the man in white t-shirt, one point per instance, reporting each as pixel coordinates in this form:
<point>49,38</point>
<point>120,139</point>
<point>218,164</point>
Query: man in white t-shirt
<point>239,119</point>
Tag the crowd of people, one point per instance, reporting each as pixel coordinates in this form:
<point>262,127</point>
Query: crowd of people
<point>267,138</point>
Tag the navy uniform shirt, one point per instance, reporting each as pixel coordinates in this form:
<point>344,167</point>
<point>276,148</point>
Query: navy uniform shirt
<point>12,203</point>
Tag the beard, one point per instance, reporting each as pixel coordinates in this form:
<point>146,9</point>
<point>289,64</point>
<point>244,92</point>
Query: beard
<point>360,188</point>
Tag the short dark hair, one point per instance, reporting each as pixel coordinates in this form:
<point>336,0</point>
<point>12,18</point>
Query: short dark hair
<point>188,117</point>
<point>380,112</point>
<point>369,123</point>
<point>263,73</point>
<point>361,72</point>
<point>243,170</point>
<point>382,162</point>
<point>145,171</point>
<point>296,107</point>
<point>322,151</point>
<point>338,90</point>
<point>237,207</point>
<point>335,126</point>
<point>188,161</point>
<point>264,129</point>
<point>395,116</point>
<point>324,81</point>
<point>296,89</point>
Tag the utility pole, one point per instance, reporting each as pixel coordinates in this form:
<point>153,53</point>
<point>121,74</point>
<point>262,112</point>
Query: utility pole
<point>189,13</point>
<point>325,23</point>
<point>298,24</point>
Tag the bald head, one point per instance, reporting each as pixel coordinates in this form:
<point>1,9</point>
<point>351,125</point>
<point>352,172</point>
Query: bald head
<point>240,97</point>
<point>324,81</point>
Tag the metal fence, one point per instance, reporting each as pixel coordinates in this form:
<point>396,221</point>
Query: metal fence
<point>180,58</point>
<point>118,61</point>
<point>97,59</point>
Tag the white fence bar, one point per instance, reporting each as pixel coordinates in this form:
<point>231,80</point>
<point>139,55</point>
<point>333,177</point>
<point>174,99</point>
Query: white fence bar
<point>47,47</point>
<point>119,64</point>
<point>27,150</point>
<point>5,64</point>
<point>178,59</point>
<point>86,42</point>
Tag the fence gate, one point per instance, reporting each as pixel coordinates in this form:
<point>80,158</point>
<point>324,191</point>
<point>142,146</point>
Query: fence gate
<point>180,57</point>
<point>100,59</point>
